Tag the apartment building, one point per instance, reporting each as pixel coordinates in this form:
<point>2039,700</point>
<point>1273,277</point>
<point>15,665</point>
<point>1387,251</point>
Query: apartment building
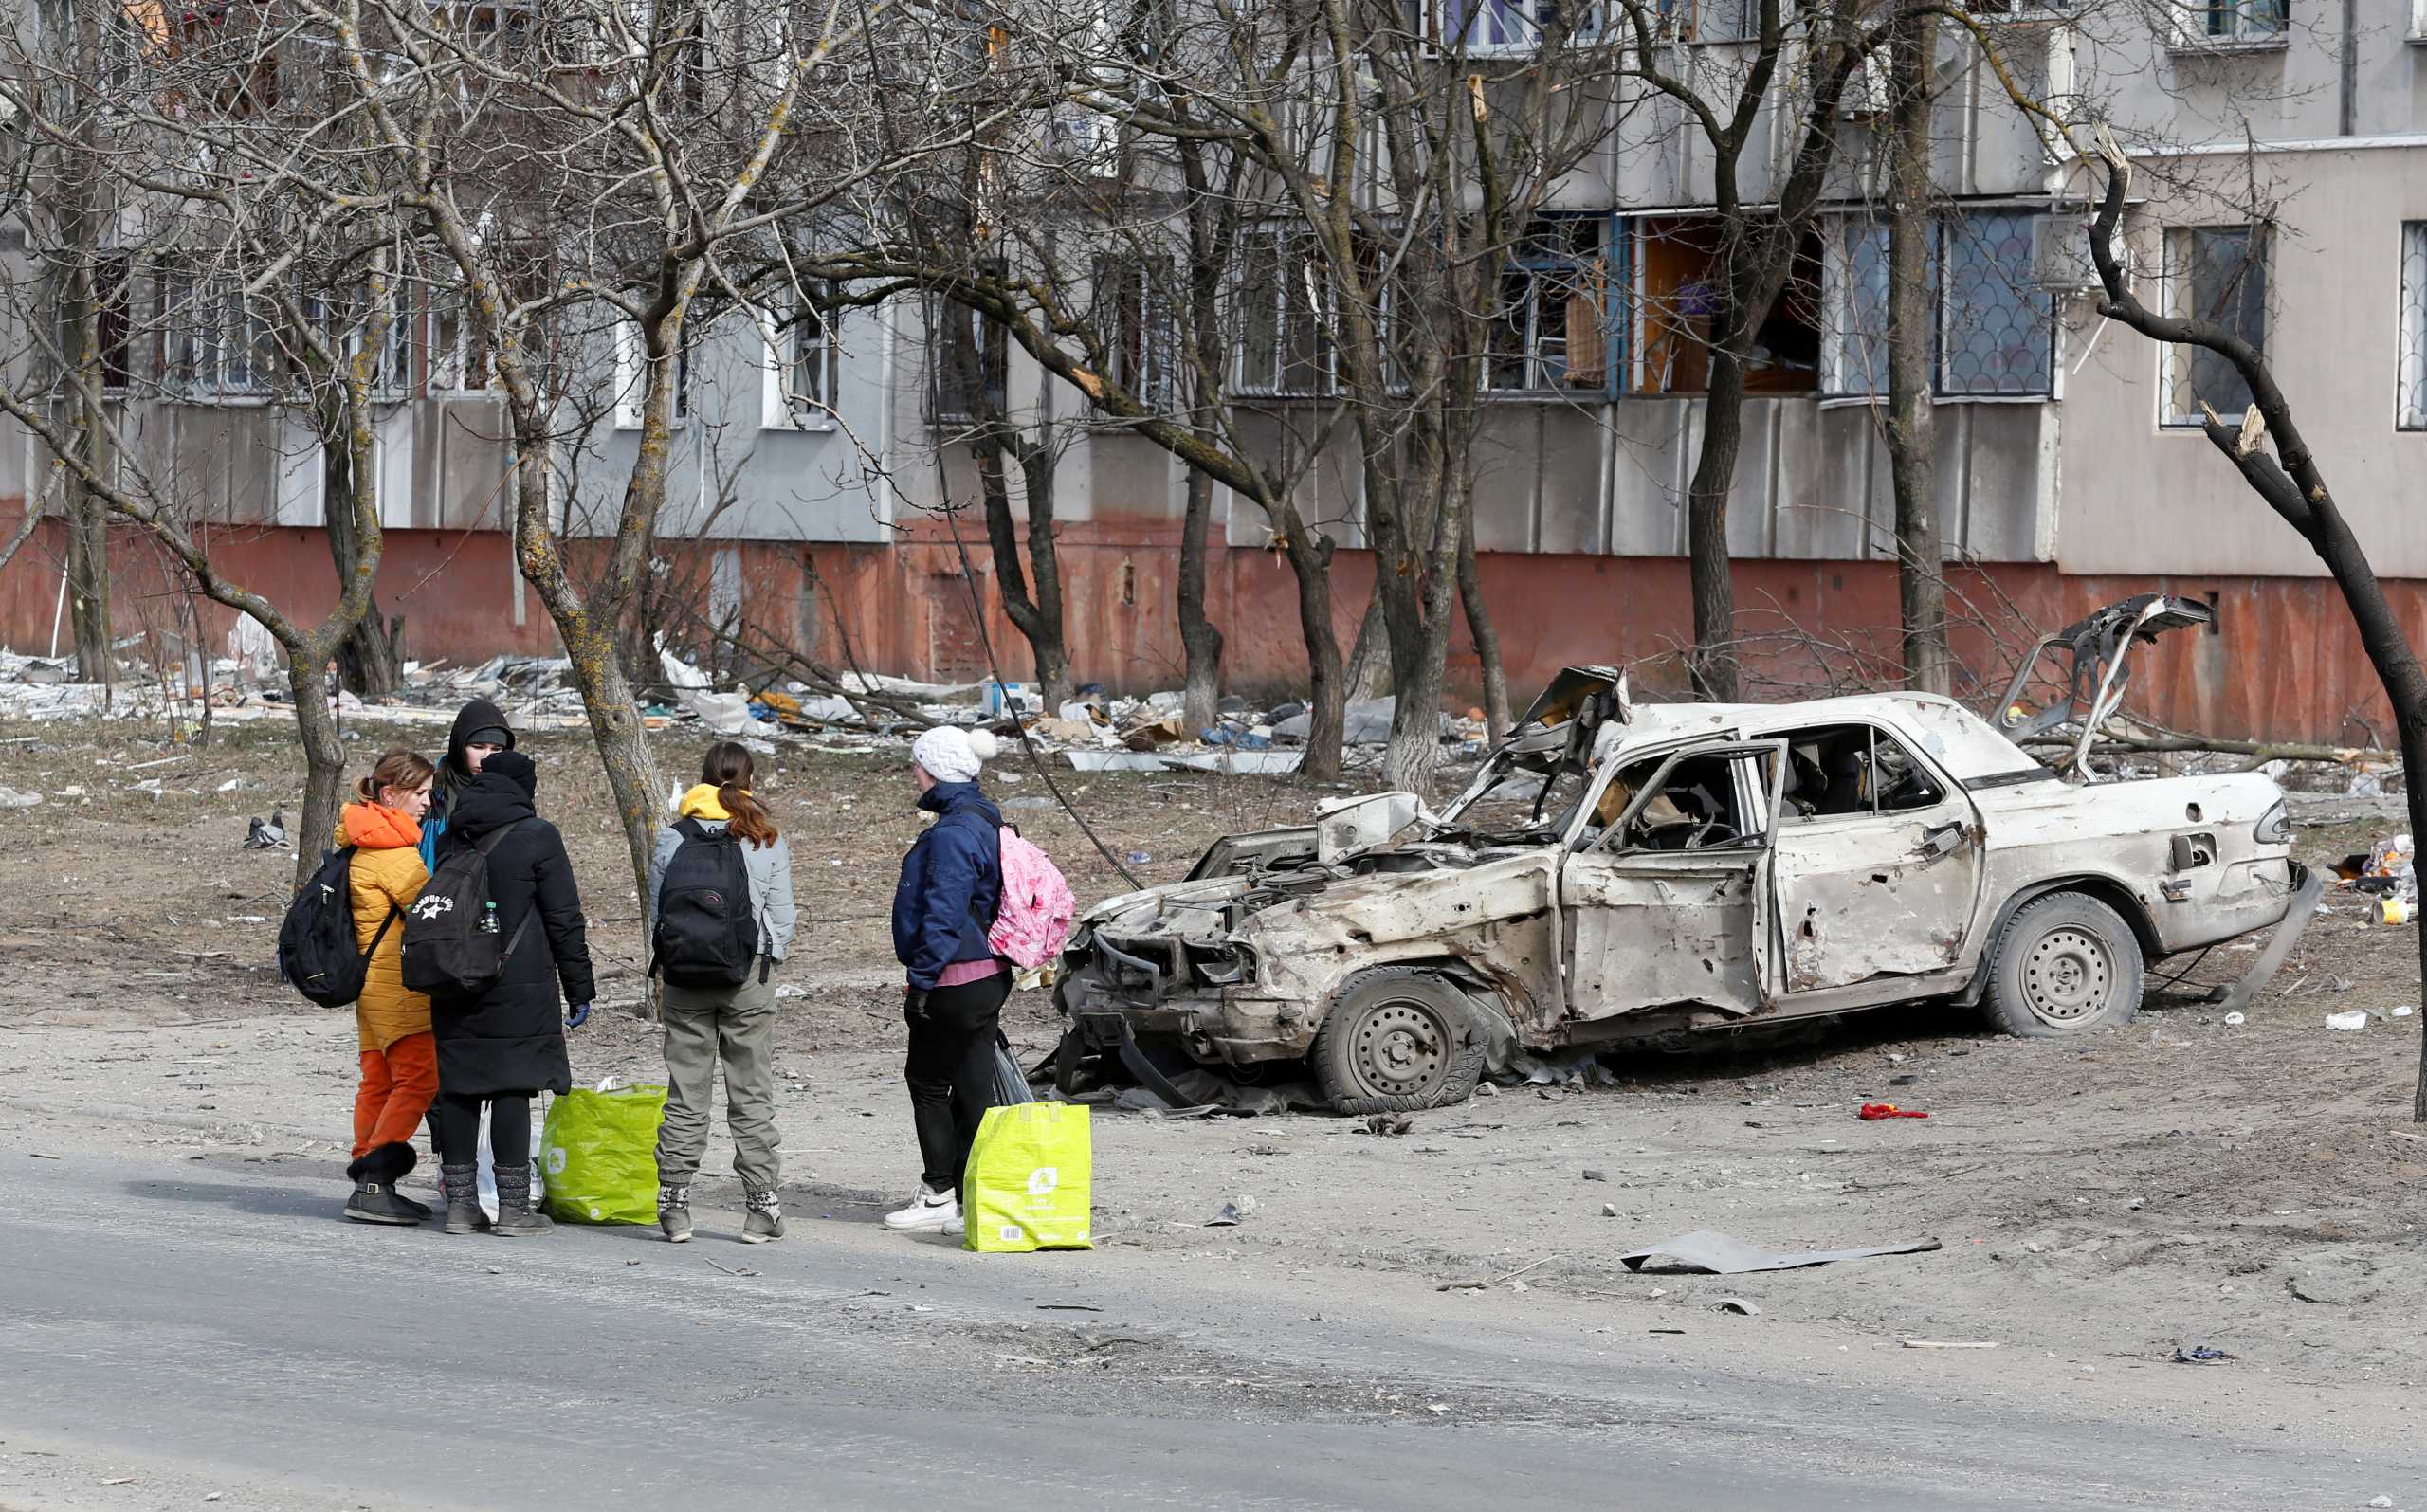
<point>2070,470</point>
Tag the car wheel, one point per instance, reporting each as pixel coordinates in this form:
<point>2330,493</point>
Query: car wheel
<point>2065,964</point>
<point>1395,1040</point>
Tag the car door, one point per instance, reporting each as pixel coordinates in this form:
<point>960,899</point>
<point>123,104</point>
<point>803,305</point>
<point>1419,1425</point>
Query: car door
<point>1669,904</point>
<point>1881,881</point>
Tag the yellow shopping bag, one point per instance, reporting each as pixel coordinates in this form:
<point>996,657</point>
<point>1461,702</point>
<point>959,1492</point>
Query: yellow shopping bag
<point>1027,1185</point>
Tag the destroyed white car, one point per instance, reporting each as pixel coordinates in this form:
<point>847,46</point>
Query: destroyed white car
<point>1616,873</point>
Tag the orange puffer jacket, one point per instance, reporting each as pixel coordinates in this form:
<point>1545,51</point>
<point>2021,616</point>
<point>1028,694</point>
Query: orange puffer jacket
<point>386,873</point>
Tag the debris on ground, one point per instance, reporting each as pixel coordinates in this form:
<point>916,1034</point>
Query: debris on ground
<point>1232,1211</point>
<point>1736,1305</point>
<point>1874,1112</point>
<point>2355,1019</point>
<point>1708,1251</point>
<point>2200,1355</point>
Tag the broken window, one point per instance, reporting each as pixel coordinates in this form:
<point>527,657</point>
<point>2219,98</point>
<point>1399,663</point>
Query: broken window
<point>1676,273</point>
<point>1835,772</point>
<point>113,325</point>
<point>1699,805</point>
<point>971,368</point>
<point>801,361</point>
<point>2215,274</point>
<point>1553,329</point>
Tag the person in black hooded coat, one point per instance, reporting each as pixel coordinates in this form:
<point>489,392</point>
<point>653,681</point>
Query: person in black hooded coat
<point>481,724</point>
<point>505,1045</point>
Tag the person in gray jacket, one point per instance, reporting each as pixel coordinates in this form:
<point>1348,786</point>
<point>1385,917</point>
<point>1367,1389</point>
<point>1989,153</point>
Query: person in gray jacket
<point>734,1024</point>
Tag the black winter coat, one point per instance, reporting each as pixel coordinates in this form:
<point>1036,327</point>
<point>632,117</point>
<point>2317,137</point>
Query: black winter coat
<point>512,1038</point>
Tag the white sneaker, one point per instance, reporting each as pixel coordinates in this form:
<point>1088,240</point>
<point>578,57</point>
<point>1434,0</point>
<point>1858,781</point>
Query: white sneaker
<point>928,1210</point>
<point>954,1227</point>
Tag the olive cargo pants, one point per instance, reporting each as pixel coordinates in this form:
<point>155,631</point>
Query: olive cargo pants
<point>705,1026</point>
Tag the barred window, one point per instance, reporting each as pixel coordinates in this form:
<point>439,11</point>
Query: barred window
<point>1995,330</point>
<point>1142,337</point>
<point>2215,274</point>
<point>1285,317</point>
<point>1997,333</point>
<point>2238,20</point>
<point>2413,379</point>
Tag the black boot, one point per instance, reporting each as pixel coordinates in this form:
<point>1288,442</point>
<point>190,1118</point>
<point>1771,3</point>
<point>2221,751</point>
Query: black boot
<point>515,1218</point>
<point>374,1198</point>
<point>462,1184</point>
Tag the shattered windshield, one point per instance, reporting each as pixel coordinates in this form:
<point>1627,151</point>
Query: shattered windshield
<point>1520,797</point>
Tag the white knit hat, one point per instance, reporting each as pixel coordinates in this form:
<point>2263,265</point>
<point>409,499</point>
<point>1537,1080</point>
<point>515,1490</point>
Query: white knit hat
<point>951,753</point>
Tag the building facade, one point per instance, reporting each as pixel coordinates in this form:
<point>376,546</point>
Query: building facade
<point>2070,468</point>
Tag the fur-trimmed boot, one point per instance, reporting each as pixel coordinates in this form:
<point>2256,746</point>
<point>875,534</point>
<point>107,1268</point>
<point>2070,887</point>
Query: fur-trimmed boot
<point>462,1184</point>
<point>374,1176</point>
<point>515,1218</point>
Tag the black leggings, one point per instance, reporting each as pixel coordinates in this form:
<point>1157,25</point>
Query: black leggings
<point>952,1046</point>
<point>456,1119</point>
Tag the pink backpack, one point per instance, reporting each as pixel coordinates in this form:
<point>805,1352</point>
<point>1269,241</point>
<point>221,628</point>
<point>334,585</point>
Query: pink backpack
<point>1033,922</point>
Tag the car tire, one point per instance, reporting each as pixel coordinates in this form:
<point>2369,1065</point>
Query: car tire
<point>2065,964</point>
<point>1398,1039</point>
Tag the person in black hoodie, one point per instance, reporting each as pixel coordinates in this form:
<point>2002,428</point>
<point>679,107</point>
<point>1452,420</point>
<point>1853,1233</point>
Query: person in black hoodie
<point>506,1044</point>
<point>479,732</point>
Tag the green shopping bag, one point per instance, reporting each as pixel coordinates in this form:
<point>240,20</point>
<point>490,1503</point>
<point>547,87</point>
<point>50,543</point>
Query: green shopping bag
<point>598,1154</point>
<point>1027,1185</point>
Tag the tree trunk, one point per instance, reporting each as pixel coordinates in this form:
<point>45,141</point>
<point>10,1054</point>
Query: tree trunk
<point>88,577</point>
<point>1912,427</point>
<point>1497,718</point>
<point>315,830</point>
<point>369,662</point>
<point>1200,639</point>
<point>1712,664</point>
<point>1369,656</point>
<point>589,632</point>
<point>1327,699</point>
<point>1037,617</point>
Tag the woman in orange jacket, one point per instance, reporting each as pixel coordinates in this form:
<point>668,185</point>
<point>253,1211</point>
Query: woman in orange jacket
<point>399,1058</point>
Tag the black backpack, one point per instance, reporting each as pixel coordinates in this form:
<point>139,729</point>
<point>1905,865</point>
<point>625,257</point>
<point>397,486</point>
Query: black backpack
<point>316,953</point>
<point>452,945</point>
<point>706,933</point>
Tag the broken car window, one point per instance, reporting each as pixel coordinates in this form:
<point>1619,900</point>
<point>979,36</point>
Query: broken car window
<point>1698,807</point>
<point>1842,770</point>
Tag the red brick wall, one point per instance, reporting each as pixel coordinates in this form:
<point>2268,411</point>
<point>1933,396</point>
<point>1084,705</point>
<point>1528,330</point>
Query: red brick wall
<point>2283,663</point>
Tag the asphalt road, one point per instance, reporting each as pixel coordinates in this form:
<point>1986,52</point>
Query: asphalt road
<point>214,1328</point>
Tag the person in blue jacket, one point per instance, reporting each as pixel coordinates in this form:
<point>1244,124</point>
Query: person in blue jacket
<point>952,884</point>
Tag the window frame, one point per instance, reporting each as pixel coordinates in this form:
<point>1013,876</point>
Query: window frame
<point>1847,327</point>
<point>1277,244</point>
<point>2410,328</point>
<point>1522,30</point>
<point>785,334</point>
<point>1874,732</point>
<point>1142,345</point>
<point>1543,271</point>
<point>2232,24</point>
<point>2174,281</point>
<point>631,404</point>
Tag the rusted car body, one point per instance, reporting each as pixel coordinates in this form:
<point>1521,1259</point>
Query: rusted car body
<point>1619,871</point>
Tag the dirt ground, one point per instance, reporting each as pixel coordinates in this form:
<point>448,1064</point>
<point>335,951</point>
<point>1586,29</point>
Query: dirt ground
<point>2254,1189</point>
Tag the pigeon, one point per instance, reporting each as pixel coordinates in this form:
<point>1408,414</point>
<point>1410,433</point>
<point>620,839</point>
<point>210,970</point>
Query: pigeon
<point>267,834</point>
